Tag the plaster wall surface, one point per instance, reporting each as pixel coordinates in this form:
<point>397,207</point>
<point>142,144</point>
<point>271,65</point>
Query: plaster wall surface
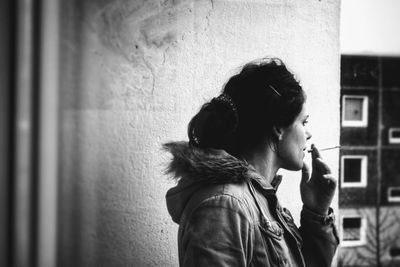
<point>370,27</point>
<point>133,73</point>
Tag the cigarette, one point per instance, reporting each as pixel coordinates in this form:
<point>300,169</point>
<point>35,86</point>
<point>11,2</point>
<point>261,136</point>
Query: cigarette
<point>323,149</point>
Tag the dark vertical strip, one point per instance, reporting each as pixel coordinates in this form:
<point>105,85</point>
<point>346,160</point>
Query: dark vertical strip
<point>379,165</point>
<point>35,151</point>
<point>11,149</point>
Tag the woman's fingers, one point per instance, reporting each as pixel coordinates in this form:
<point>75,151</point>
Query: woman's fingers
<point>305,173</point>
<point>330,180</point>
<point>318,162</point>
<point>315,155</point>
<point>322,171</point>
<point>315,152</point>
<point>321,166</point>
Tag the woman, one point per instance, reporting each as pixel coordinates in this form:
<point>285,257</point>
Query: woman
<point>225,201</point>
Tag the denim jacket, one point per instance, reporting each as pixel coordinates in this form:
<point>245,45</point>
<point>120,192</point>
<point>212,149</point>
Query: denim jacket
<point>228,215</point>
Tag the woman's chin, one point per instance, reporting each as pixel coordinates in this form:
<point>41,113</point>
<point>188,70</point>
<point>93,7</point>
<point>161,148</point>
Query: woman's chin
<point>295,166</point>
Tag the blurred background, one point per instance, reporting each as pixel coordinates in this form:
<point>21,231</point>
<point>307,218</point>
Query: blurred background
<point>90,89</point>
<point>369,195</point>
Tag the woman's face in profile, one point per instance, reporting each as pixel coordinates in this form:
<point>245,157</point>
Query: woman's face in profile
<point>292,147</point>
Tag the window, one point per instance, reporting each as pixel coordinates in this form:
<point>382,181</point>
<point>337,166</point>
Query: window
<point>394,135</point>
<point>353,231</point>
<point>354,171</point>
<point>355,111</point>
<point>394,194</point>
<point>394,252</point>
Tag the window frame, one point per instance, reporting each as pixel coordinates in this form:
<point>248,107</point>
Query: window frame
<point>363,172</point>
<point>390,254</point>
<point>363,232</point>
<point>356,123</point>
<point>391,139</point>
<point>392,199</point>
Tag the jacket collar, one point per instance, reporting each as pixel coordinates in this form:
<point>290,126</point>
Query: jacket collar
<point>213,166</point>
<point>194,168</point>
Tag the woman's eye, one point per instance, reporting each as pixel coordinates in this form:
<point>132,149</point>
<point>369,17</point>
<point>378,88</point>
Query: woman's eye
<point>305,122</point>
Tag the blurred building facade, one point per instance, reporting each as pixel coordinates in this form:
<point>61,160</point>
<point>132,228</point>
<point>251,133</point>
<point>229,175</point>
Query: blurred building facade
<point>369,194</point>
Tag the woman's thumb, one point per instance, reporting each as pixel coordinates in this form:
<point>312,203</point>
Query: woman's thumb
<point>305,173</point>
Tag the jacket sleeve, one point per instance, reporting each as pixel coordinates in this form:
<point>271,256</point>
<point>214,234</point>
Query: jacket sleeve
<point>320,238</point>
<point>217,233</point>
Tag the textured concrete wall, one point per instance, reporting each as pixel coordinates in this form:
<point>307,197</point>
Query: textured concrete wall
<point>133,74</point>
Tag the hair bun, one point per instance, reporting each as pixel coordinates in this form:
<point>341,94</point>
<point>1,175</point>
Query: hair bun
<point>226,100</point>
<point>215,124</point>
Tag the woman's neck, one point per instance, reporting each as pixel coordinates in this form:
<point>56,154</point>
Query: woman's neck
<point>265,162</point>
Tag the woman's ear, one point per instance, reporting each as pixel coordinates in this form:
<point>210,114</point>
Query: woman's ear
<point>278,132</point>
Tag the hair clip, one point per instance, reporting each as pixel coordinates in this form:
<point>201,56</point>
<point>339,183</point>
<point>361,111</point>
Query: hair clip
<point>225,99</point>
<point>195,138</point>
<point>270,86</point>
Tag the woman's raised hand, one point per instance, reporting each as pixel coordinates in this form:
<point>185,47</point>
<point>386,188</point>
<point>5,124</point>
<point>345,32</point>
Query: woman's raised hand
<point>318,190</point>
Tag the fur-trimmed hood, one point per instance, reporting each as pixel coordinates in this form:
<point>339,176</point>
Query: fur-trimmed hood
<point>194,167</point>
<point>211,166</point>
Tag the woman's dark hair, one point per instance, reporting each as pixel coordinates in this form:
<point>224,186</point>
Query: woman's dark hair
<point>263,95</point>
